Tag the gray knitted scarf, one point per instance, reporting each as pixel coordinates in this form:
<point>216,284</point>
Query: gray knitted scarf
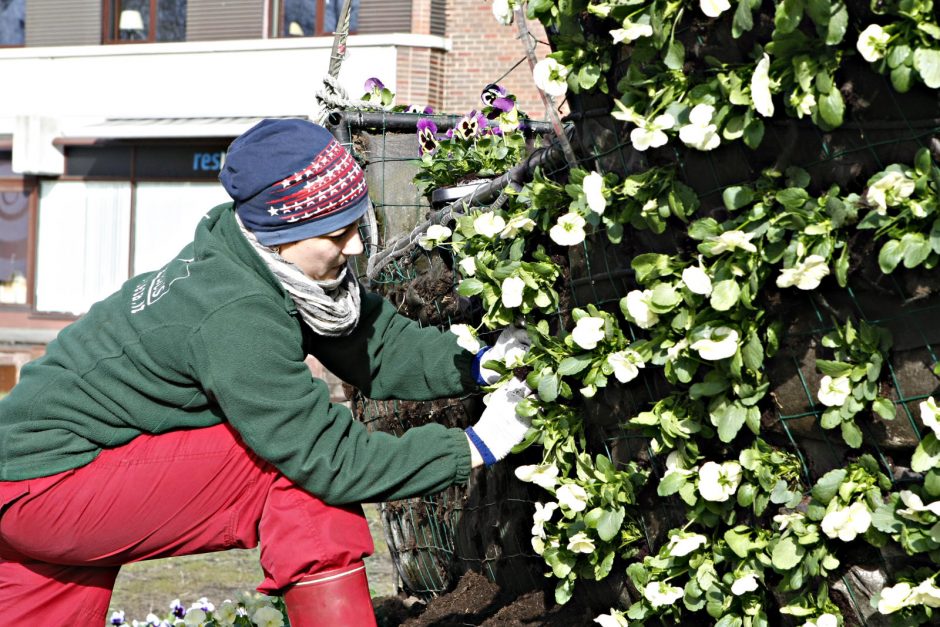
<point>330,308</point>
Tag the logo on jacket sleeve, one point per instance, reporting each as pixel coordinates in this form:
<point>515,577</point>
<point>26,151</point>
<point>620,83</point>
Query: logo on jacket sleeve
<point>147,293</point>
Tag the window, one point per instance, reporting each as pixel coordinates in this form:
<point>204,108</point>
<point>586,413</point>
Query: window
<point>145,20</point>
<point>12,22</point>
<point>309,18</point>
<point>83,247</point>
<point>14,251</point>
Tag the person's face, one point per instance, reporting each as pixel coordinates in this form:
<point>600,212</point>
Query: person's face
<point>321,258</point>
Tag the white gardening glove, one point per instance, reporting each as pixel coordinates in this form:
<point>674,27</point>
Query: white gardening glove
<point>511,345</point>
<point>500,428</point>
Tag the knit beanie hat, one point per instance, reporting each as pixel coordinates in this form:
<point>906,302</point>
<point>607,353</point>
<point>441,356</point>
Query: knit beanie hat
<point>291,180</point>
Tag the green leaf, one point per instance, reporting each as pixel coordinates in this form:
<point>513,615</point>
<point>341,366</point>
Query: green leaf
<point>588,76</point>
<point>671,484</point>
<point>851,434</point>
<point>898,55</point>
<point>729,419</point>
<point>548,387</point>
<point>792,197</point>
<point>916,249</point>
<point>830,419</point>
<point>838,23</point>
<point>901,78</point>
<point>609,524</point>
<point>574,364</point>
<point>788,16</point>
<point>884,519</point>
<point>786,554</point>
<point>738,541</point>
<point>753,353</point>
<point>828,485</point>
<point>832,107</point>
<point>754,133</point>
<point>884,408</point>
<point>834,369</point>
<point>927,454</point>
<point>927,64</point>
<point>564,591</point>
<point>890,256</point>
<point>664,298</point>
<point>725,295</point>
<point>737,196</point>
<point>675,57</point>
<point>470,287</point>
<point>743,20</point>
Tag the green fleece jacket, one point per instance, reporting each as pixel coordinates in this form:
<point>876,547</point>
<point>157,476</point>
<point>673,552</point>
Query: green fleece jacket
<point>213,337</point>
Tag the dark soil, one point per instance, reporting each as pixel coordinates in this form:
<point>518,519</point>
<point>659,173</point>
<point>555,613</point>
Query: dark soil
<point>478,601</point>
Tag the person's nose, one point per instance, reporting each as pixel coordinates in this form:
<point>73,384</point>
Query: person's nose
<point>354,245</point>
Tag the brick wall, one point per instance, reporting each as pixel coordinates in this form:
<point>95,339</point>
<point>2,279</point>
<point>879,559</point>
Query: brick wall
<point>420,77</point>
<point>483,50</point>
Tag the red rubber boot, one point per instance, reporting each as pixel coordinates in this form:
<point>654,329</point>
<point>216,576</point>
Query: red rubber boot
<point>332,598</point>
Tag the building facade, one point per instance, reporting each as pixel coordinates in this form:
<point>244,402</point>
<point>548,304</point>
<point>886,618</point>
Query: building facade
<point>116,116</point>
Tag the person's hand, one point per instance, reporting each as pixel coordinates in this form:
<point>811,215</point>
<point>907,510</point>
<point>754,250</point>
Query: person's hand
<point>500,428</point>
<point>513,342</point>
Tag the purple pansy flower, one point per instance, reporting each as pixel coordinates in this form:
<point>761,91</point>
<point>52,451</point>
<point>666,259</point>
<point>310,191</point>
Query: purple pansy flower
<point>419,109</point>
<point>373,84</point>
<point>177,608</point>
<point>491,92</point>
<point>426,140</point>
<point>117,618</point>
<point>471,125</point>
<point>504,104</point>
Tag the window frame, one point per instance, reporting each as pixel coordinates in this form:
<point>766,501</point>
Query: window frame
<point>30,188</point>
<point>110,25</point>
<point>3,45</point>
<point>276,11</point>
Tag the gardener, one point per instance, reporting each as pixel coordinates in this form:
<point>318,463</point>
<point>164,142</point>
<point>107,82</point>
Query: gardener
<point>178,415</point>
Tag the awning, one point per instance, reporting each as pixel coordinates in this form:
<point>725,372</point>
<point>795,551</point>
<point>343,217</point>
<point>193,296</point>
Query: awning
<point>157,128</point>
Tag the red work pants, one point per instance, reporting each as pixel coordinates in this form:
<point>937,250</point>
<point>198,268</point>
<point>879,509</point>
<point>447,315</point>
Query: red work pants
<point>64,538</point>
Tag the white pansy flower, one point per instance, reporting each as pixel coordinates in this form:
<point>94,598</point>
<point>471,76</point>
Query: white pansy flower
<point>783,520</point>
<point>488,224</point>
<point>614,619</point>
<point>714,8</point>
<point>512,288</point>
<point>626,364</point>
<point>745,584</point>
<point>895,598</point>
<point>538,545</point>
<point>227,614</point>
<point>195,616</point>
<point>587,332</point>
<point>674,465</point>
<point>660,593</point>
<point>834,392</point>
<point>117,618</point>
<point>889,190</point>
<point>502,11</point>
<point>435,234</point>
<point>803,103</point>
<point>697,280</point>
<point>700,133</point>
<point>930,415</point>
<point>572,496</point>
<point>732,240</point>
<point>927,593</point>
<point>267,616</point>
<point>514,357</point>
<point>551,77</point>
<point>675,351</point>
<point>638,307</point>
<point>543,514</point>
<point>914,504</point>
<point>543,475</point>
<point>872,42</point>
<point>718,482</point>
<point>517,223</point>
<point>631,31</point>
<point>466,338</point>
<point>846,523</point>
<point>823,620</point>
<point>569,230</point>
<point>581,543</point>
<point>649,133</point>
<point>806,274</point>
<point>681,544</point>
<point>714,343</point>
<point>468,266</point>
<point>760,88</point>
<point>593,186</point>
